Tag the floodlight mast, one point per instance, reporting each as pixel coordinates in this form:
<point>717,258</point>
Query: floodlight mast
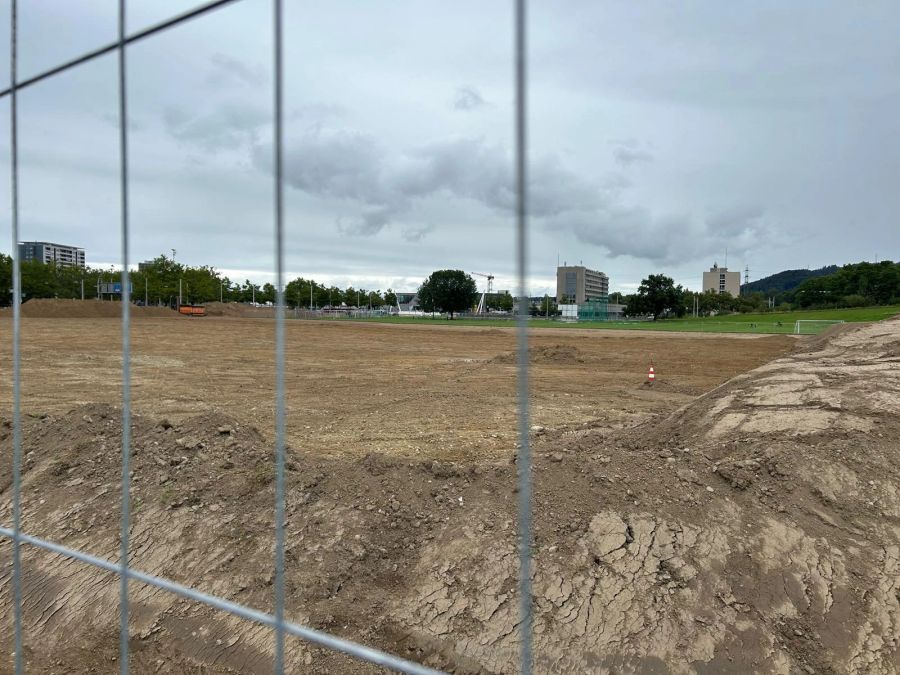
<point>482,306</point>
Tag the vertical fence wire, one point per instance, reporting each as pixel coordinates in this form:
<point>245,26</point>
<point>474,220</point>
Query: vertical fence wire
<point>524,461</point>
<point>126,355</point>
<point>16,343</point>
<point>279,337</point>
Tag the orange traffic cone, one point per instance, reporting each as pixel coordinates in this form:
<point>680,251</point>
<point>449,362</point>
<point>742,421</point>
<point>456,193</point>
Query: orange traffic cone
<point>651,375</point>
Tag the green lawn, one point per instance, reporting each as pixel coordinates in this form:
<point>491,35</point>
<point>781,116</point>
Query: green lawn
<point>773,322</point>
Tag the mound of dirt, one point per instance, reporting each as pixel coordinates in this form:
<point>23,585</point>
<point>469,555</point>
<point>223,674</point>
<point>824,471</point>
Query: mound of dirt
<point>757,530</point>
<point>239,310</point>
<point>551,354</point>
<point>48,308</point>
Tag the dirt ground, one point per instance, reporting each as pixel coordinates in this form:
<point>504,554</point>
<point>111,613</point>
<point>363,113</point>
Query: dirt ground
<point>419,391</point>
<point>752,527</point>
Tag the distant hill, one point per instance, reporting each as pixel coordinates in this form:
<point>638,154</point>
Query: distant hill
<point>786,281</point>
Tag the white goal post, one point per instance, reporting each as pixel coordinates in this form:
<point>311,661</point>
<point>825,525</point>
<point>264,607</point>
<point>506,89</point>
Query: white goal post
<point>813,326</point>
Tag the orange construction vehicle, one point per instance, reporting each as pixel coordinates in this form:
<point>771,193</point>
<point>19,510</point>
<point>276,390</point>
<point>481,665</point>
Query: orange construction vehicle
<point>192,310</point>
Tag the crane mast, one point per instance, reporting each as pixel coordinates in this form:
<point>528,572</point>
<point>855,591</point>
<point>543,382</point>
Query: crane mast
<point>482,306</point>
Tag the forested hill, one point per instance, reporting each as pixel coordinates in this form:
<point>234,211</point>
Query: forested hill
<point>786,281</point>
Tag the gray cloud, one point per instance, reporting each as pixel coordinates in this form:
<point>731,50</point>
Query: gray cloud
<point>416,234</point>
<point>629,151</point>
<point>468,98</point>
<point>382,184</point>
<point>742,104</point>
<point>736,221</point>
<point>375,186</point>
<point>370,222</point>
<point>378,187</point>
<point>629,156</point>
<point>672,238</point>
<point>227,69</point>
<point>228,126</point>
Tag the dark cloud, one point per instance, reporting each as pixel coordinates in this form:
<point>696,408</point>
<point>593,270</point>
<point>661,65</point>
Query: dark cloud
<point>468,98</point>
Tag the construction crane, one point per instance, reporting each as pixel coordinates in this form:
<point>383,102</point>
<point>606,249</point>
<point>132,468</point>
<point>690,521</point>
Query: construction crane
<point>482,307</point>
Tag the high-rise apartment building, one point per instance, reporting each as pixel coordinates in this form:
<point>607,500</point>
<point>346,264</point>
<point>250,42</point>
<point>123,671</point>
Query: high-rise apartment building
<point>46,252</point>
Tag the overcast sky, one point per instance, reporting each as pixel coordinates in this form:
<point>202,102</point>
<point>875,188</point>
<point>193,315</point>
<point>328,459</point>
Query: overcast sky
<point>661,134</point>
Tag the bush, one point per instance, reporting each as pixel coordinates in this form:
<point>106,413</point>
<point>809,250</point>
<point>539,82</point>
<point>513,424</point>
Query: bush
<point>855,301</point>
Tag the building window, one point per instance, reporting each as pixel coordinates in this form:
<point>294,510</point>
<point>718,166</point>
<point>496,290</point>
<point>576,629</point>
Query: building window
<point>571,285</point>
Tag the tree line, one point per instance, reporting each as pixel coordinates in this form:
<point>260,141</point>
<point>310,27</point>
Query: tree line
<point>157,283</point>
<point>451,291</point>
<point>855,285</point>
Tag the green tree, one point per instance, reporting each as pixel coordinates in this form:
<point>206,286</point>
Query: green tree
<point>268,293</point>
<point>6,284</point>
<point>448,291</point>
<point>426,298</point>
<point>390,298</point>
<point>657,295</point>
<point>548,306</point>
<point>297,293</point>
<point>876,283</point>
<point>505,302</point>
<point>452,291</point>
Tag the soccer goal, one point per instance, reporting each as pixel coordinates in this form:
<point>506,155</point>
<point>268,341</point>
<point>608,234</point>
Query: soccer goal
<point>813,326</point>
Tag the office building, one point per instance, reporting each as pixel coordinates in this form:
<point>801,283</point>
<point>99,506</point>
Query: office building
<point>577,284</point>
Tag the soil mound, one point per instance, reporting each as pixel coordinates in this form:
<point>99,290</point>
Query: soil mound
<point>757,530</point>
<point>550,354</point>
<point>47,308</point>
<point>239,310</point>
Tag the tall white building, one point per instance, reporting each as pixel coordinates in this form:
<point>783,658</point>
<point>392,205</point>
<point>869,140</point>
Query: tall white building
<point>46,252</point>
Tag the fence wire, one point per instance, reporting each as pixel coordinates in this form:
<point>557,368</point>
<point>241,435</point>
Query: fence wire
<point>126,573</point>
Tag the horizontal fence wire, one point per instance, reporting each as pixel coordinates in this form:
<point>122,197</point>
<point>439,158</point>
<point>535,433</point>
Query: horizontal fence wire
<point>122,569</point>
<point>312,635</point>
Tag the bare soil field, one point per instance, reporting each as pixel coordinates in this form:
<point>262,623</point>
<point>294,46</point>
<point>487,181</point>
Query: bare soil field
<point>422,391</point>
<point>752,527</point>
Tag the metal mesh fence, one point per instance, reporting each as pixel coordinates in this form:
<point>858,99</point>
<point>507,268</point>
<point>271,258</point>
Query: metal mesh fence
<point>276,621</point>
